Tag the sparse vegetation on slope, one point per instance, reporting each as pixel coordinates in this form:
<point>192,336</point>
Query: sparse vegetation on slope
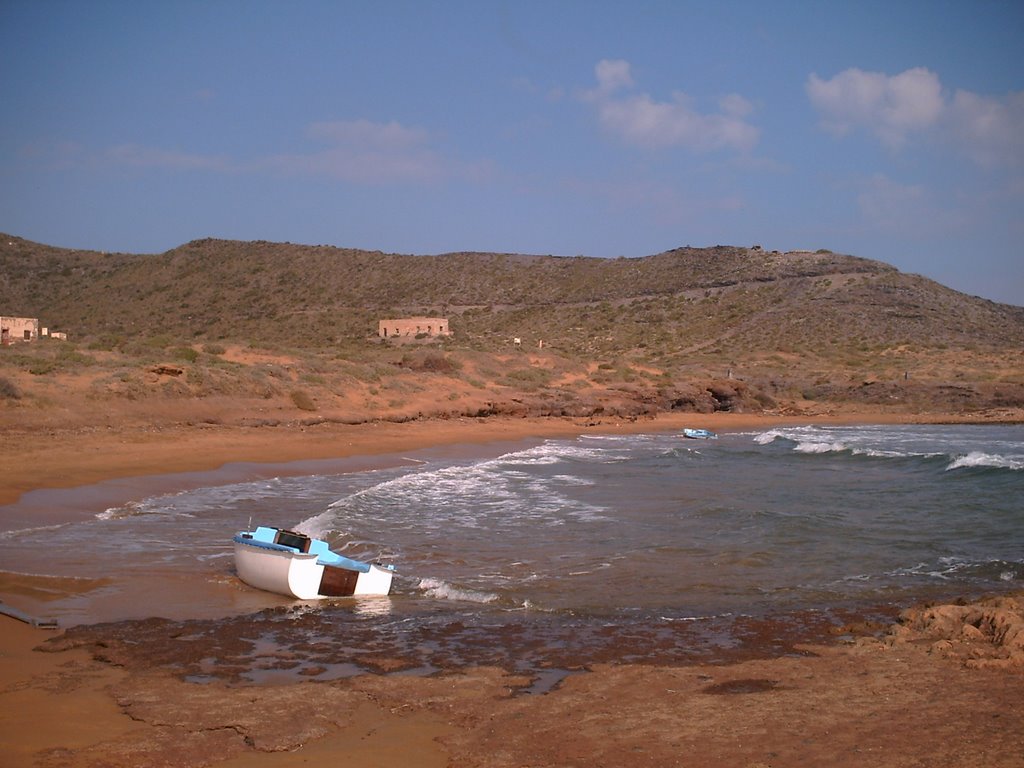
<point>293,328</point>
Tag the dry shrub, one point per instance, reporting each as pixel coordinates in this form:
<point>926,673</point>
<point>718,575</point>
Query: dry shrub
<point>434,362</point>
<point>8,391</point>
<point>302,400</point>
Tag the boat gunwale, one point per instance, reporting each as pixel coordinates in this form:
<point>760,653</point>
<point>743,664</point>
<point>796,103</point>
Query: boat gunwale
<point>273,547</point>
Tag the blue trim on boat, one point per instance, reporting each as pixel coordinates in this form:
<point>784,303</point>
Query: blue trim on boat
<point>254,542</point>
<point>263,538</point>
<point>327,557</point>
<point>265,533</point>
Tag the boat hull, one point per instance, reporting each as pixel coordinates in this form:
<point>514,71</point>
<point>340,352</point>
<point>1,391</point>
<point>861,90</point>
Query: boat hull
<point>301,575</point>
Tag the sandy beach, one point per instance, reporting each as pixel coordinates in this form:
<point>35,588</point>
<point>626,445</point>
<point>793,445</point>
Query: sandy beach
<point>942,688</point>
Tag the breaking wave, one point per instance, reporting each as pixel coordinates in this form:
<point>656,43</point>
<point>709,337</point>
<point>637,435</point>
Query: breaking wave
<point>898,443</point>
<point>441,590</point>
<point>982,459</point>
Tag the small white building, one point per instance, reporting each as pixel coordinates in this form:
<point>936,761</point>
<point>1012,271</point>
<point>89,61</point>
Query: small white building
<point>14,329</point>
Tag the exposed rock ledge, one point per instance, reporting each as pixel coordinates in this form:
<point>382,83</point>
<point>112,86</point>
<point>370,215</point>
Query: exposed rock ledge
<point>985,634</point>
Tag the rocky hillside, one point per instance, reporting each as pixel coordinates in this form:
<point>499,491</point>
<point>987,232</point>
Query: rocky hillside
<point>742,297</point>
<point>782,326</point>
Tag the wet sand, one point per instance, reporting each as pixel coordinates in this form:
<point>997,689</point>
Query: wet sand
<point>101,697</point>
<point>118,695</point>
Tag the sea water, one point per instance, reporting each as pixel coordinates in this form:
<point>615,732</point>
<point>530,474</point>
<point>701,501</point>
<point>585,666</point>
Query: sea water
<point>583,533</point>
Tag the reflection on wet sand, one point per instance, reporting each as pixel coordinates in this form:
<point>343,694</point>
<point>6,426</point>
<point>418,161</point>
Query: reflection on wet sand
<point>47,588</point>
<point>351,638</point>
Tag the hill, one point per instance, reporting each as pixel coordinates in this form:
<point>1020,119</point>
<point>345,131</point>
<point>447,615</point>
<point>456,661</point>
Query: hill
<point>691,328</point>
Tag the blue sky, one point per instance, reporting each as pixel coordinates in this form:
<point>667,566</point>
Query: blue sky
<point>889,130</point>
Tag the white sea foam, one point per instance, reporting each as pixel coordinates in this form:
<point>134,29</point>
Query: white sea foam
<point>156,506</point>
<point>552,452</point>
<point>442,590</point>
<point>768,437</point>
<point>130,509</point>
<point>709,617</point>
<point>949,568</point>
<point>589,571</point>
<point>837,446</point>
<point>982,459</point>
<point>196,502</point>
<point>880,454</point>
<point>897,442</point>
<point>573,480</point>
<point>613,439</point>
<point>29,531</point>
<point>820,447</point>
<point>214,556</point>
<point>505,491</point>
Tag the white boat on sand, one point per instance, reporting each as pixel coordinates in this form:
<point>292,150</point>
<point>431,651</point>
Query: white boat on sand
<point>296,565</point>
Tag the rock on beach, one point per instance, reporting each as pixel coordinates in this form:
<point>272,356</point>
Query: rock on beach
<point>987,633</point>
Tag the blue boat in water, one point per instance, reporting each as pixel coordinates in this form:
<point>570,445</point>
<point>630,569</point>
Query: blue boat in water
<point>699,434</point>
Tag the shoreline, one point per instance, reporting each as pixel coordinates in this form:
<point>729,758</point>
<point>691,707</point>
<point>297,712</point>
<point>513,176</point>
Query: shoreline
<point>918,695</point>
<point>55,459</point>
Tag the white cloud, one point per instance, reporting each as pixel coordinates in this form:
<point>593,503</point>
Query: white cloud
<point>613,75</point>
<point>362,165</point>
<point>990,129</point>
<point>367,134</point>
<point>70,155</point>
<point>640,120</point>
<point>151,157</point>
<point>735,105</point>
<point>913,103</point>
<point>359,151</point>
<point>367,152</point>
<point>553,94</point>
<point>58,155</point>
<point>890,107</point>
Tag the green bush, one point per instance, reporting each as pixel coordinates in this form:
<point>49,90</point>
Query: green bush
<point>160,341</point>
<point>68,356</point>
<point>187,354</point>
<point>107,343</point>
<point>42,367</point>
<point>529,378</point>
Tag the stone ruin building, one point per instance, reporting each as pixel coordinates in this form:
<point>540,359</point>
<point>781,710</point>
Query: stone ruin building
<point>14,329</point>
<point>413,327</point>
